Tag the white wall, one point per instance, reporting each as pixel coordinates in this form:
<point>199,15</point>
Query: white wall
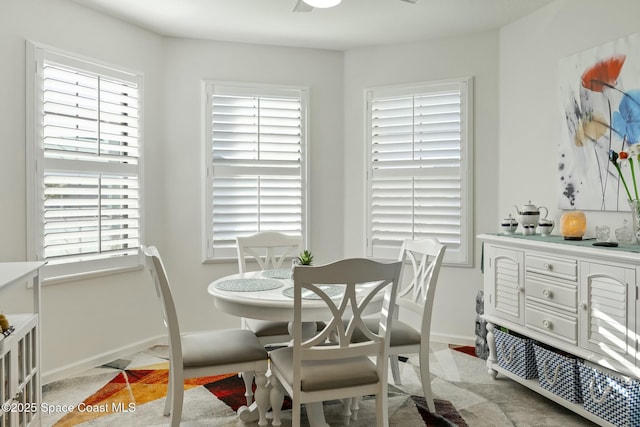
<point>81,319</point>
<point>530,110</point>
<point>86,321</point>
<point>477,56</point>
<point>188,62</point>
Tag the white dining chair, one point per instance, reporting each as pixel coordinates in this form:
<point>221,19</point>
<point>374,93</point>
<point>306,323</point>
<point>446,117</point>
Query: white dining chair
<point>330,365</point>
<point>204,353</point>
<point>270,250</point>
<point>414,302</point>
<point>416,296</point>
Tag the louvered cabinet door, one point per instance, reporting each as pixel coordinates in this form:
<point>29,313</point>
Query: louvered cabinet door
<point>607,311</point>
<point>504,283</point>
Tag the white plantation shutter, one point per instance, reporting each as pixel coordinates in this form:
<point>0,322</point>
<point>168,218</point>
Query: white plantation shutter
<point>255,149</point>
<point>87,152</point>
<point>418,180</point>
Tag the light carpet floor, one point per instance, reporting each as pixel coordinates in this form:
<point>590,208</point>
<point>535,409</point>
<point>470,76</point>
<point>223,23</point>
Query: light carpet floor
<point>456,377</point>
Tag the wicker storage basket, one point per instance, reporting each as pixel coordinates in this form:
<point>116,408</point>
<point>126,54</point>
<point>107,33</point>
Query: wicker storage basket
<point>610,395</point>
<point>515,353</point>
<point>558,373</point>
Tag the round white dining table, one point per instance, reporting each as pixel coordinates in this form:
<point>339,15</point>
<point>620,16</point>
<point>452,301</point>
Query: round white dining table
<point>268,295</point>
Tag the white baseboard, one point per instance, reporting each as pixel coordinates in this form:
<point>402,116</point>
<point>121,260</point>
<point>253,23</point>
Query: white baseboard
<point>453,339</point>
<point>100,359</point>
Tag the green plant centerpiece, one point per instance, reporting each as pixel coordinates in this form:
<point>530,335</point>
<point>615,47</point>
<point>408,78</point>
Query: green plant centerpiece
<point>305,258</point>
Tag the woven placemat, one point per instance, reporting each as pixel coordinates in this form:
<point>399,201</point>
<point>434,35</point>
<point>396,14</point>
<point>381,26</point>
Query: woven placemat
<point>278,273</point>
<point>330,290</point>
<point>248,285</point>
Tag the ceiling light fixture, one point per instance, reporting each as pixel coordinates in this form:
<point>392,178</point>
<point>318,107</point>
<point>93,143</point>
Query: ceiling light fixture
<point>322,3</point>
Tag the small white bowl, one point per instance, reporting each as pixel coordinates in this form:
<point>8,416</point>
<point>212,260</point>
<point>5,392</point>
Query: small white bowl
<point>545,229</point>
<point>508,228</point>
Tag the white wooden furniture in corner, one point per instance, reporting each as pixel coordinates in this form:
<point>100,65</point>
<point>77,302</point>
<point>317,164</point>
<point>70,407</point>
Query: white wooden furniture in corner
<point>20,387</point>
<point>571,295</point>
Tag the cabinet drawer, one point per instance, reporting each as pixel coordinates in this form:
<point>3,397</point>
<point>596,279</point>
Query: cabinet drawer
<point>553,324</point>
<point>556,294</point>
<point>554,267</point>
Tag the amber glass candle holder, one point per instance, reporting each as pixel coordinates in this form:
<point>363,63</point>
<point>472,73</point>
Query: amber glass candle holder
<point>573,225</point>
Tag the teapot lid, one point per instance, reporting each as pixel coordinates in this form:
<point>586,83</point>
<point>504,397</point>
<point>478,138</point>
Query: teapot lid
<point>529,207</point>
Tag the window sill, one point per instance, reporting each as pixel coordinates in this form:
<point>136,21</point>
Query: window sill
<point>88,275</point>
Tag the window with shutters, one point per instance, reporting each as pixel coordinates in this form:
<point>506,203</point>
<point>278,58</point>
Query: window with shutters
<point>419,177</point>
<point>255,148</point>
<point>85,152</point>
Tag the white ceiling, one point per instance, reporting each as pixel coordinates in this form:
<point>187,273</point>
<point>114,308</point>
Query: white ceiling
<point>352,24</point>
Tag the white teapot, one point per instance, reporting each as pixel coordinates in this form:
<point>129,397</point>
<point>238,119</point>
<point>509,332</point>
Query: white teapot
<point>530,214</point>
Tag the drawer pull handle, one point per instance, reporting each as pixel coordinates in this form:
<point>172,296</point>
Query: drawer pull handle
<point>583,305</point>
<point>520,288</point>
<point>547,293</point>
<point>547,324</point>
<point>548,266</point>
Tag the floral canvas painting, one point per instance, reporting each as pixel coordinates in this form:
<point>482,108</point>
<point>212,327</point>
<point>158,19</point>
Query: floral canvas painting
<point>599,147</point>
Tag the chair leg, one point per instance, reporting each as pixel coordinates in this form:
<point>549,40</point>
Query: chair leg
<point>395,369</point>
<point>262,397</point>
<point>167,402</point>
<point>355,407</point>
<point>276,397</point>
<point>382,409</point>
<point>176,388</point>
<point>296,413</point>
<point>247,377</point>
<point>315,414</point>
<point>346,409</point>
<point>351,406</point>
<point>425,378</point>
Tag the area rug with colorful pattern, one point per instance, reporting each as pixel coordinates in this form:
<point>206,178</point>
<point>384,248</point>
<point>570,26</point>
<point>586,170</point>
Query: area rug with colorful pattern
<point>127,394</point>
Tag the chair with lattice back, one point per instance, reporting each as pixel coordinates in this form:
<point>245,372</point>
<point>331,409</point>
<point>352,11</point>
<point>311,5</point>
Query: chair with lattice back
<point>330,365</point>
<point>411,326</point>
<point>416,295</point>
<point>270,250</point>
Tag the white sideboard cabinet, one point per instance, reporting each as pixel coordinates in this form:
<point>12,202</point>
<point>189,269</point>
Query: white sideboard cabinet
<point>571,295</point>
<point>20,387</point>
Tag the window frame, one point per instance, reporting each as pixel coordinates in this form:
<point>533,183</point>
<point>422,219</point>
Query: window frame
<point>464,257</point>
<point>248,89</point>
<point>36,54</point>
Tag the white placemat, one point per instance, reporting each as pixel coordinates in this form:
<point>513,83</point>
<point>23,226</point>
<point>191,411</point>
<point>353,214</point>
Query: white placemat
<point>248,285</point>
<point>330,290</point>
<point>278,273</point>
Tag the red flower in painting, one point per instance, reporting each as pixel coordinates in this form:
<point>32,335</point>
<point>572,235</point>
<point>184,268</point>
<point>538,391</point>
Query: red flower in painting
<point>603,73</point>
